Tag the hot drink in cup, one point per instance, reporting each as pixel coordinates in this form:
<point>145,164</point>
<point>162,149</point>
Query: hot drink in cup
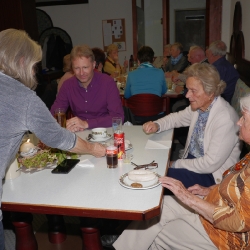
<point>112,157</point>
<point>60,116</point>
<point>99,132</point>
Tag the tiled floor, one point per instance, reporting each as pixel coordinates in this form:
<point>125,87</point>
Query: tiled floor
<point>73,240</point>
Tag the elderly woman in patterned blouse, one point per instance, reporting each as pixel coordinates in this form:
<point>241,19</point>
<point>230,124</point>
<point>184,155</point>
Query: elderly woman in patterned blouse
<point>215,217</point>
<point>212,144</point>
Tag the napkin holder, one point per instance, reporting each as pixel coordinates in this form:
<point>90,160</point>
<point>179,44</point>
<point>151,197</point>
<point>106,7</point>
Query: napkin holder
<point>12,171</point>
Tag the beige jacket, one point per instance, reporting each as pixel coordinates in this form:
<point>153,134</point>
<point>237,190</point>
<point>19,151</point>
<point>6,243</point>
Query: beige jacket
<point>221,142</point>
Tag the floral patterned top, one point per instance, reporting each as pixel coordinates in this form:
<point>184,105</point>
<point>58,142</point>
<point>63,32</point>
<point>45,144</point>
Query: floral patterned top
<point>231,226</point>
<point>196,146</point>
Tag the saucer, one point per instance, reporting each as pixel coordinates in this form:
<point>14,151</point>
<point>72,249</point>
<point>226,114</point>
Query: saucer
<point>125,182</point>
<point>100,139</point>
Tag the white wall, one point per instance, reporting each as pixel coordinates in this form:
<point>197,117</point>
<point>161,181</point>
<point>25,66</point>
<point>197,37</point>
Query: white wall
<point>153,26</point>
<point>83,22</point>
<point>227,23</point>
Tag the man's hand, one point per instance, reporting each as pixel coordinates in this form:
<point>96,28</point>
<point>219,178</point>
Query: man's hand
<point>168,74</point>
<point>178,89</point>
<point>75,124</point>
<point>150,127</point>
<point>175,76</point>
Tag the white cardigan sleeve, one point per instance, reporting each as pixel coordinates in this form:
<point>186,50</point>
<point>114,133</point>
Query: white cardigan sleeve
<point>219,141</point>
<point>175,120</point>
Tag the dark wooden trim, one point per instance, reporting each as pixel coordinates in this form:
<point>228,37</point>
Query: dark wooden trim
<point>243,66</point>
<point>82,212</point>
<point>134,19</point>
<point>165,21</point>
<point>213,20</point>
<point>62,2</point>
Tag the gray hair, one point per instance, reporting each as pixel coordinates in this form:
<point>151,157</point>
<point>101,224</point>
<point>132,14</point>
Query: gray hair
<point>208,76</point>
<point>167,46</point>
<point>82,51</point>
<point>178,45</point>
<point>245,103</point>
<point>218,48</point>
<point>18,56</point>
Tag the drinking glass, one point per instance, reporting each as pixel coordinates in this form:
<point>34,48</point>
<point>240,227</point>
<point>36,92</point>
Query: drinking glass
<point>116,124</point>
<point>60,116</point>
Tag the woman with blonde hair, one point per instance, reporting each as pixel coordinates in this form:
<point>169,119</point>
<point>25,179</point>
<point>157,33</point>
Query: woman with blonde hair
<point>22,110</point>
<point>112,64</point>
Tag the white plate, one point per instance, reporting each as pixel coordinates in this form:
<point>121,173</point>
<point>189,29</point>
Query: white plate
<point>125,182</point>
<point>100,139</point>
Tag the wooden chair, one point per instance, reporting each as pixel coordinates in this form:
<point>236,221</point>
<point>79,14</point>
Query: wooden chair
<point>147,107</point>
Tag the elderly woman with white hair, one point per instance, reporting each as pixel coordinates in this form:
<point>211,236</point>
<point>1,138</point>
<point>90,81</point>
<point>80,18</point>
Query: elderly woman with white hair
<point>215,217</point>
<point>212,144</point>
<point>112,64</point>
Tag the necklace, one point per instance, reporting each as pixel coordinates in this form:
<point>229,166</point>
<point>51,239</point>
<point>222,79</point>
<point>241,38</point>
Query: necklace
<point>238,166</point>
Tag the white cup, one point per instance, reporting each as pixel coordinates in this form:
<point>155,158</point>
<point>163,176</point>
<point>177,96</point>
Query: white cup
<point>12,171</point>
<point>99,132</point>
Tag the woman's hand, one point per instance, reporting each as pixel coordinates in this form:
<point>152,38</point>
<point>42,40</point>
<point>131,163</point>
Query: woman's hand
<point>204,208</point>
<point>200,190</point>
<point>125,64</point>
<point>99,150</point>
<point>75,124</point>
<point>150,127</point>
<point>176,187</point>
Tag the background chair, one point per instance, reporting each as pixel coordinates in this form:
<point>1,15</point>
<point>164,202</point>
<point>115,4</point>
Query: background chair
<point>146,107</point>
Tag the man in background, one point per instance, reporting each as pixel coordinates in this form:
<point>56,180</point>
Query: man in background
<point>161,61</point>
<point>92,97</point>
<point>177,62</point>
<point>196,54</point>
<point>216,55</point>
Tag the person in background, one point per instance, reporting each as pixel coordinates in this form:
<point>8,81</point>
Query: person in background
<point>215,217</point>
<point>212,144</point>
<point>146,79</point>
<point>99,59</point>
<point>216,55</point>
<point>68,71</point>
<point>112,64</point>
<point>23,110</point>
<point>177,62</point>
<point>196,54</point>
<point>161,61</point>
<point>92,97</point>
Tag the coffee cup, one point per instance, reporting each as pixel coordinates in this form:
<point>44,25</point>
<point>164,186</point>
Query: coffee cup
<point>99,132</point>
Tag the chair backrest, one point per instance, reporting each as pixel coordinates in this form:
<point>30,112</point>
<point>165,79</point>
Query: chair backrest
<point>146,104</point>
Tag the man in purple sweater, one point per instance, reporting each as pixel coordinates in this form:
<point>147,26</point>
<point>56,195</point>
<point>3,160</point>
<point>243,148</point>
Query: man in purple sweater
<point>93,97</point>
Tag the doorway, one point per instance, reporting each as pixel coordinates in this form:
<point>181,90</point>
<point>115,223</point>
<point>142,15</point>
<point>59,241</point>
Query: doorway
<point>190,27</point>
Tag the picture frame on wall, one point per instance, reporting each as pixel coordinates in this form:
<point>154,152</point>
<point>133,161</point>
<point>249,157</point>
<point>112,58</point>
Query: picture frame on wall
<point>59,2</point>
